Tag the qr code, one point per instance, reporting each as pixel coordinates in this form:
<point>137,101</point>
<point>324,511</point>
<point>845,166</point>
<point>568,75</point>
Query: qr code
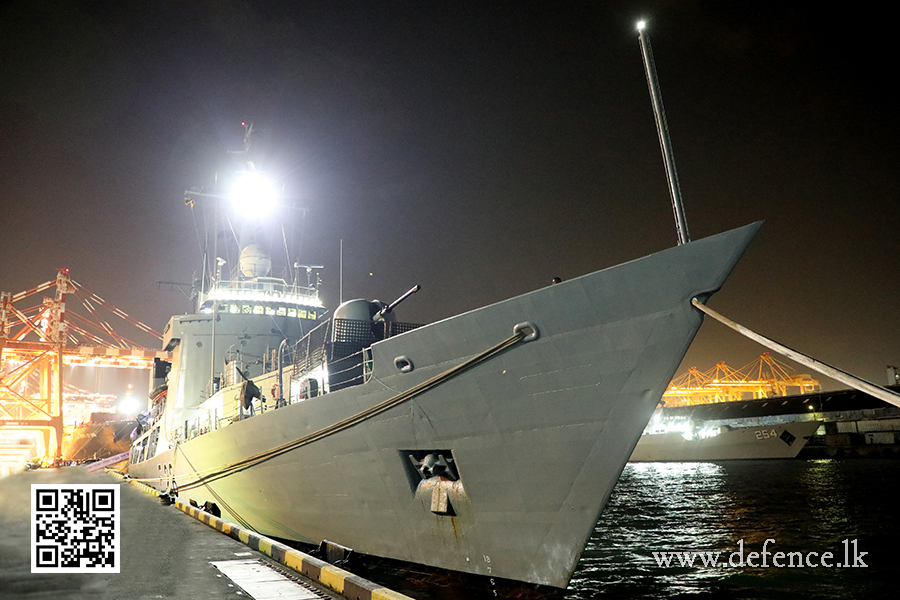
<point>75,528</point>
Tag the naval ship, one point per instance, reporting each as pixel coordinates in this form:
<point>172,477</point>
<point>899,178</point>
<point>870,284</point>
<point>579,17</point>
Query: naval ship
<point>685,441</point>
<point>486,443</point>
<point>104,435</point>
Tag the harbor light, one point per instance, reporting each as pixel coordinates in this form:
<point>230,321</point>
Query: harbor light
<point>253,194</point>
<point>129,404</point>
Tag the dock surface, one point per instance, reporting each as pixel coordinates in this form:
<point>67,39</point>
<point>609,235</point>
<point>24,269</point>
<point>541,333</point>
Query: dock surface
<point>165,553</point>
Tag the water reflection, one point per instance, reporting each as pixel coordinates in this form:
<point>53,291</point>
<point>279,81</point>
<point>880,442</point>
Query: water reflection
<point>803,505</point>
<point>829,501</point>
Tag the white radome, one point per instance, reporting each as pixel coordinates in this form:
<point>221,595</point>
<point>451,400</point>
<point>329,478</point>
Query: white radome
<point>255,262</point>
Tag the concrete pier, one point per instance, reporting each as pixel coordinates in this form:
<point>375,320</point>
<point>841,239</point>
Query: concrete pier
<point>165,553</point>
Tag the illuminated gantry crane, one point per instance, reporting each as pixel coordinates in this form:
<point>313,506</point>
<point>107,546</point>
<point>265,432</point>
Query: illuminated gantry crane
<point>36,342</point>
<point>763,378</point>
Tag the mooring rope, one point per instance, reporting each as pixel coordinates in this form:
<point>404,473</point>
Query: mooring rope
<point>219,498</point>
<point>835,373</point>
<point>359,417</point>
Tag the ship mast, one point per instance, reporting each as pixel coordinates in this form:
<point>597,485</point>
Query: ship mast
<point>662,128</point>
<point>250,187</point>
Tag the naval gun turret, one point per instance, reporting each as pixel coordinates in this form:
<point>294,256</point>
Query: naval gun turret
<point>356,325</point>
<point>337,353</point>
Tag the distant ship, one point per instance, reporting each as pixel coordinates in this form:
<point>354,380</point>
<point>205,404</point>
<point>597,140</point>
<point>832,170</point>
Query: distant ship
<point>105,435</point>
<point>850,423</point>
<point>723,442</point>
<point>706,416</point>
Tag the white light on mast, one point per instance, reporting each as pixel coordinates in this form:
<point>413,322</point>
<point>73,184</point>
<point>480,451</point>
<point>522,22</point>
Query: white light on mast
<point>253,194</point>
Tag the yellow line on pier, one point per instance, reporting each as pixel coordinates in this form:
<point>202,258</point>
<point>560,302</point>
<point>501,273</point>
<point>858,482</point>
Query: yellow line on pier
<point>312,568</point>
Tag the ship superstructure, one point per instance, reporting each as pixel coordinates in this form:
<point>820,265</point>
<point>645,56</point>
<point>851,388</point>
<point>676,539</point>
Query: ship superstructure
<point>236,333</point>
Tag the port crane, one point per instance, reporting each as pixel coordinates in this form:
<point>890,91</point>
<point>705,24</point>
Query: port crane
<point>37,341</point>
<point>765,377</point>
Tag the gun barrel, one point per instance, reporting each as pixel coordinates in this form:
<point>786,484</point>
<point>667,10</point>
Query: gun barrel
<point>390,307</point>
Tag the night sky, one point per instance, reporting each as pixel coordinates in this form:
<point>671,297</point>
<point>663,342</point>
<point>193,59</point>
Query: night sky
<point>475,148</point>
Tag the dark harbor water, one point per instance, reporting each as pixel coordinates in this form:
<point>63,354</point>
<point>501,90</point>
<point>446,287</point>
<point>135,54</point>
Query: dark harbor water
<point>804,506</point>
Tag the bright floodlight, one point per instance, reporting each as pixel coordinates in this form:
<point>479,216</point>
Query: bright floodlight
<point>129,404</point>
<point>253,195</point>
<point>641,25</point>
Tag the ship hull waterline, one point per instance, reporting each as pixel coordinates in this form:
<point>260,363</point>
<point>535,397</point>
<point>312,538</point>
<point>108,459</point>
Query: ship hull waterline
<point>539,433</point>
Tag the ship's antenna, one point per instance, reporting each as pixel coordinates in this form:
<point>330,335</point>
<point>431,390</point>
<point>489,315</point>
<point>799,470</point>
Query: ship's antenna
<point>341,294</point>
<point>662,128</point>
<point>248,134</point>
<point>220,262</point>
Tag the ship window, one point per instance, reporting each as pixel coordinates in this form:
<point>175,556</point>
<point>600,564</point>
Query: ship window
<point>292,312</point>
<point>302,313</point>
<point>234,309</point>
<point>270,310</point>
<point>311,314</point>
<point>257,310</point>
<point>245,309</point>
<point>281,311</point>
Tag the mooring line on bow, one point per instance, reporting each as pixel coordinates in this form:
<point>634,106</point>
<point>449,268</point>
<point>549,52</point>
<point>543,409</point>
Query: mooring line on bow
<point>824,368</point>
<point>251,461</point>
<point>243,522</point>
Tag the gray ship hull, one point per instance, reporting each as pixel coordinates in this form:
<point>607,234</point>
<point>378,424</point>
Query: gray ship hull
<point>538,433</point>
<point>784,440</point>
